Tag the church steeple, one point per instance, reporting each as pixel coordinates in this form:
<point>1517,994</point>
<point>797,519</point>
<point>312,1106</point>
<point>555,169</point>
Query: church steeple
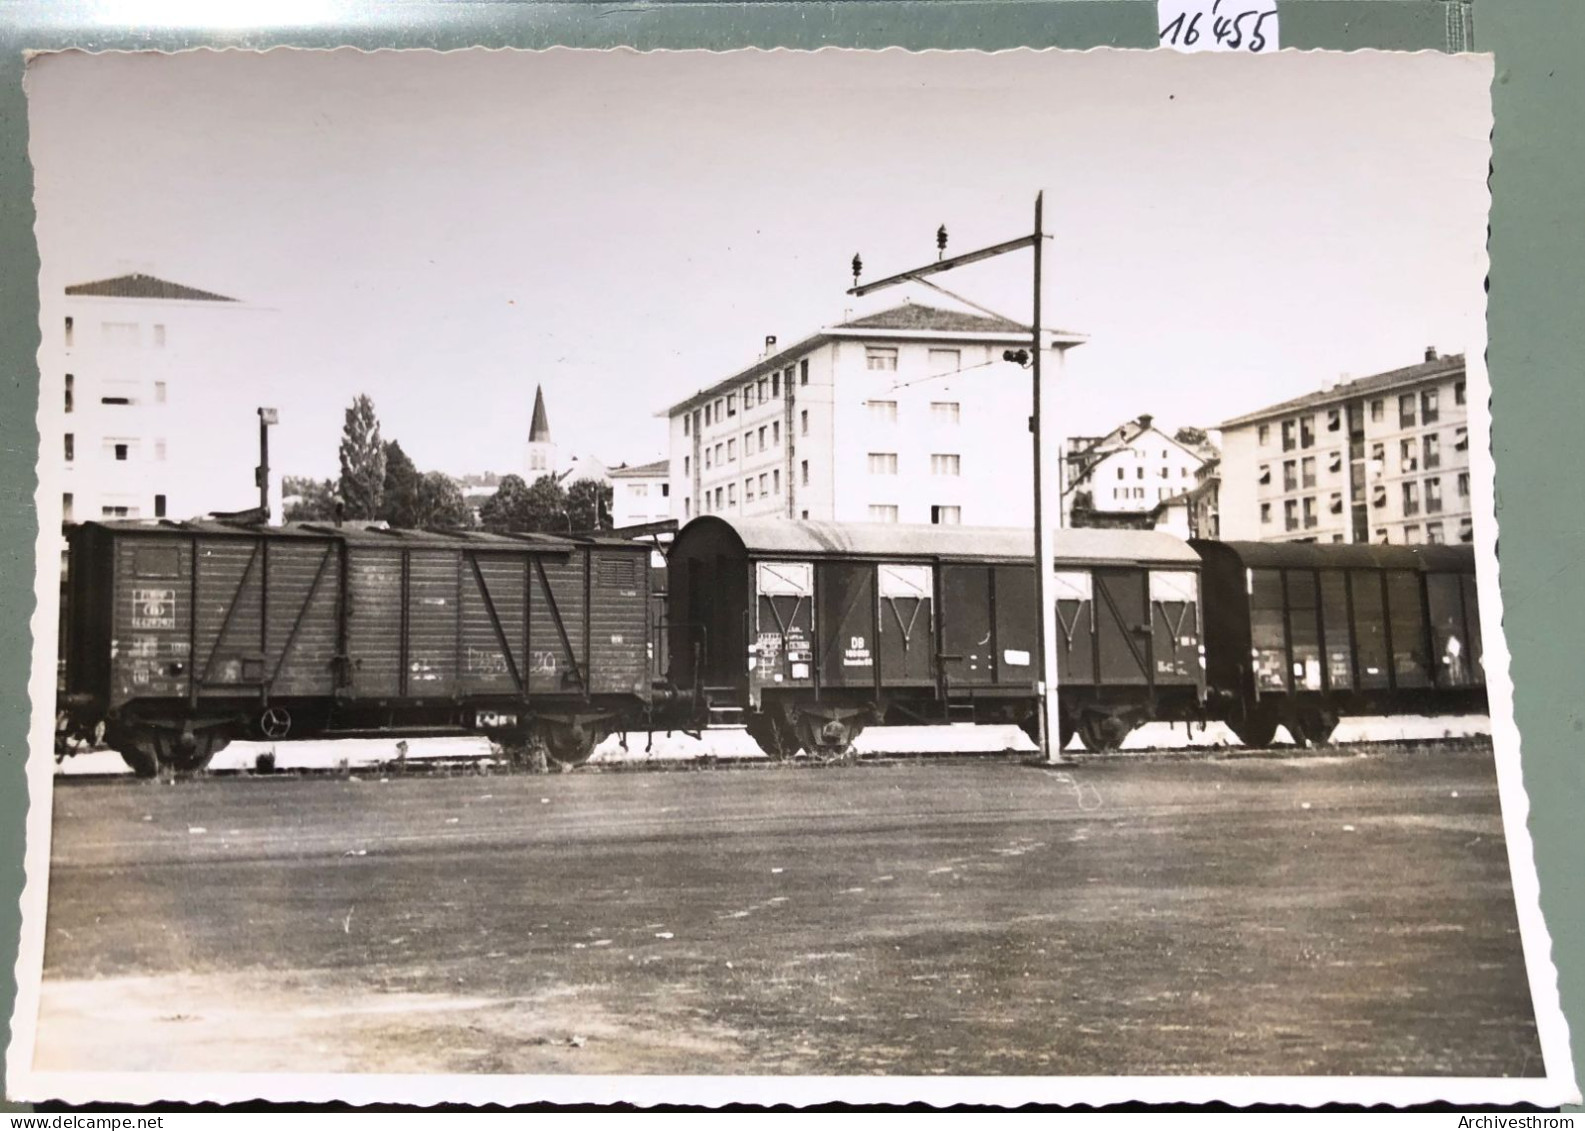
<point>539,427</point>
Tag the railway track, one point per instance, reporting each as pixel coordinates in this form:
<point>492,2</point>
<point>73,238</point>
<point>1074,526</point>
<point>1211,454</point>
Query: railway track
<point>487,764</point>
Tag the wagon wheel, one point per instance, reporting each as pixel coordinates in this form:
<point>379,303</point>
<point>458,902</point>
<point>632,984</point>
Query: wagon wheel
<point>275,723</point>
<point>812,736</point>
<point>1256,729</point>
<point>140,756</point>
<point>1103,734</point>
<point>189,756</point>
<point>1313,726</point>
<point>569,744</point>
<point>527,752</point>
<point>1031,727</point>
<point>773,735</point>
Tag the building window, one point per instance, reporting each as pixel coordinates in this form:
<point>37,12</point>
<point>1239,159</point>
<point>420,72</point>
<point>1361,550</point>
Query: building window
<point>720,454</point>
<point>775,482</point>
<point>748,490</point>
<point>1119,473</point>
<point>1310,519</point>
<point>1378,411</point>
<point>1308,470</point>
<point>1466,529</point>
<point>775,384</point>
<point>1290,475</point>
<point>764,481</point>
<point>1265,474</point>
<point>720,410</point>
<point>945,412</point>
<point>943,362</point>
<point>665,490</point>
<point>1334,420</point>
<point>686,430</point>
<point>803,379</point>
<point>1139,473</point>
<point>687,508</point>
<point>1378,456</point>
<point>1166,472</point>
<point>1461,439</point>
<point>762,431</point>
<point>159,500</point>
<point>883,512</point>
<point>68,332</point>
<point>775,433</point>
<point>748,444</point>
<point>803,422</point>
<point>1411,498</point>
<point>1335,503</point>
<point>66,499</point>
<point>1378,497</point>
<point>880,358</point>
<point>1290,514</point>
<point>1463,484</point>
<point>1265,514</point>
<point>731,404</point>
<point>686,466</point>
<point>1264,434</point>
<point>707,462</point>
<point>1288,441</point>
<point>1429,413</point>
<point>1433,496</point>
<point>731,451</point>
<point>707,415</point>
<point>71,447</point>
<point>720,498</point>
<point>731,494</point>
<point>883,463</point>
<point>118,512</point>
<point>1411,535</point>
<point>803,473</point>
<point>70,382</point>
<point>748,396</point>
<point>1433,450</point>
<point>945,464</point>
<point>638,490</point>
<point>115,400</point>
<point>1406,411</point>
<point>1139,492</point>
<point>1334,462</point>
<point>946,516</point>
<point>121,451</point>
<point>1408,456</point>
<point>805,514</point>
<point>882,412</point>
<point>1433,534</point>
<point>764,390</point>
<point>788,375</point>
<point>1458,393</point>
<point>1307,432</point>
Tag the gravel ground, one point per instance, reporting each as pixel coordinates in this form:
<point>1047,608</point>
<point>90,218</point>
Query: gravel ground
<point>1327,915</point>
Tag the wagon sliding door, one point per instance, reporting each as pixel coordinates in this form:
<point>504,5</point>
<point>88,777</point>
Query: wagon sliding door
<point>1074,597</point>
<point>374,621</point>
<point>433,622</point>
<point>846,595</point>
<point>1122,627</point>
<point>1175,624</point>
<point>784,622</point>
<point>967,643</point>
<point>907,638</point>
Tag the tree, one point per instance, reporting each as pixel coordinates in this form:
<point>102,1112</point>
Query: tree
<point>362,461</point>
<point>589,505</point>
<point>400,504</point>
<point>502,512</point>
<point>545,507</point>
<point>440,503</point>
<point>313,500</point>
<point>1190,437</point>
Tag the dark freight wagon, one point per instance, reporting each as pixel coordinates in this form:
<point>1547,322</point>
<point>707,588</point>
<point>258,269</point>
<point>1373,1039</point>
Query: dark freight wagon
<point>1300,635</point>
<point>183,636</point>
<point>807,632</point>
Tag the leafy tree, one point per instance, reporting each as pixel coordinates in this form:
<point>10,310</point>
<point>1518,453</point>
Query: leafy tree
<point>362,461</point>
<point>440,503</point>
<point>544,507</point>
<point>1190,437</point>
<point>315,499</point>
<point>589,505</point>
<point>400,503</point>
<point>502,512</point>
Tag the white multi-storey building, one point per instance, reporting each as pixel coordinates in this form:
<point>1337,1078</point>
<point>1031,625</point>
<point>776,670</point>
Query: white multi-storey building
<point>640,494</point>
<point>1131,470</point>
<point>133,371</point>
<point>910,415</point>
<point>1379,459</point>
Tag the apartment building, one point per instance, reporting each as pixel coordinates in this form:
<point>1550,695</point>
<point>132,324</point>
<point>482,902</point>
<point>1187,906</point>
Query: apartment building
<point>1381,459</point>
<point>640,494</point>
<point>1130,471</point>
<point>133,370</point>
<point>911,415</point>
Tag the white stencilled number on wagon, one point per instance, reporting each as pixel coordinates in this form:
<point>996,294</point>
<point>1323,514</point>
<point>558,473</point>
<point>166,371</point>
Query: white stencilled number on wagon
<point>153,608</point>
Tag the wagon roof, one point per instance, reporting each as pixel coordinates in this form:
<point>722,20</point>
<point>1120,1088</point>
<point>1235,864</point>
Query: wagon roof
<point>890,540</point>
<point>360,533</point>
<point>1310,555</point>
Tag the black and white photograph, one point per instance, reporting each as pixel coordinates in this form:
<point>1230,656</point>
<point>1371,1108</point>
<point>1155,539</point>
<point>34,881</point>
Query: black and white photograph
<point>780,576</point>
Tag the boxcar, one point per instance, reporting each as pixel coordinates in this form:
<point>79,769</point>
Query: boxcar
<point>1299,634</point>
<point>182,636</point>
<point>807,632</point>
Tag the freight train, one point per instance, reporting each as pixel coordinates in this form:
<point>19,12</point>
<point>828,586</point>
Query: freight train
<point>180,637</point>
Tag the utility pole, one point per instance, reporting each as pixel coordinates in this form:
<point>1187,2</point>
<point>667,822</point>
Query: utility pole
<point>1046,637</point>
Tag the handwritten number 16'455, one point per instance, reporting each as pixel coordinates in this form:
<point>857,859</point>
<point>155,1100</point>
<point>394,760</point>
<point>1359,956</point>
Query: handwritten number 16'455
<point>1243,30</point>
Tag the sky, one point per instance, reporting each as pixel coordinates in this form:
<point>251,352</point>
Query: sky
<point>446,231</point>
